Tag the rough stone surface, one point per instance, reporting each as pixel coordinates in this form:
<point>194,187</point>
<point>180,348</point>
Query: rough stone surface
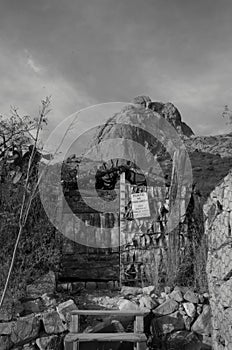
<point>126,291</point>
<point>218,226</point>
<point>64,310</point>
<point>190,309</point>
<point>148,290</point>
<point>191,297</point>
<point>203,323</point>
<point>176,295</point>
<point>183,340</point>
<point>25,329</point>
<point>169,323</point>
<point>47,343</point>
<point>52,323</point>
<point>169,112</point>
<point>147,302</point>
<point>127,305</point>
<point>168,307</point>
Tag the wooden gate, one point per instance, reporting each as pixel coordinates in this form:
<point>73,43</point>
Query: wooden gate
<point>86,262</point>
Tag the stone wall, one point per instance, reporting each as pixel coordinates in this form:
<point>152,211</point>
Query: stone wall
<point>218,211</point>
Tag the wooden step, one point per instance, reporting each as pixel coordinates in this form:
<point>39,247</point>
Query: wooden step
<point>109,313</point>
<point>105,337</point>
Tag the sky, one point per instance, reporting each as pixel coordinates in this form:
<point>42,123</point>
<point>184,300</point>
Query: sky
<point>85,52</point>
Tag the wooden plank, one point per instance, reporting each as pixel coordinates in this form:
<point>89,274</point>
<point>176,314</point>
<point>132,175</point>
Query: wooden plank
<point>110,337</point>
<point>138,324</point>
<point>108,313</point>
<point>74,326</point>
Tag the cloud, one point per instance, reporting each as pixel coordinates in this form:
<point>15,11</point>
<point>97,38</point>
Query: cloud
<point>106,50</point>
<point>25,83</point>
<point>31,63</point>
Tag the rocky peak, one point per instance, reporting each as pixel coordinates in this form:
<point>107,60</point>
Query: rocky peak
<point>167,111</point>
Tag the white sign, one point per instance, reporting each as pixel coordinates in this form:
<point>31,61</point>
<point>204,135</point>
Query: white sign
<point>140,205</point>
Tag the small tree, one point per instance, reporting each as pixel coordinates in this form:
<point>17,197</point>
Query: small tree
<point>19,131</point>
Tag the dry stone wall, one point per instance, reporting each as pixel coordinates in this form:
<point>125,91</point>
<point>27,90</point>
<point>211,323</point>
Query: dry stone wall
<point>218,211</point>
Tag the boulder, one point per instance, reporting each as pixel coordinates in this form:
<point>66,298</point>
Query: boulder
<point>183,340</point>
<point>177,296</point>
<point>191,297</point>
<point>190,309</point>
<point>52,323</point>
<point>168,323</point>
<point>25,329</point>
<point>148,290</point>
<point>147,302</point>
<point>45,284</point>
<point>64,310</point>
<point>183,289</point>
<point>168,307</point>
<point>126,291</point>
<point>47,343</point>
<point>202,325</point>
<point>108,326</point>
<point>128,305</point>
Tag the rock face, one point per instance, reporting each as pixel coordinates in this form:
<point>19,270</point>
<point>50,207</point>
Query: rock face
<point>168,111</point>
<point>218,225</point>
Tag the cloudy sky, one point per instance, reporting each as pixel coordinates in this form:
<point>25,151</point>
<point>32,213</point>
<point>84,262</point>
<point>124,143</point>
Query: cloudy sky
<point>84,52</point>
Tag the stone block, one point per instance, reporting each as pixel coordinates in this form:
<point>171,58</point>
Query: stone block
<point>177,295</point>
<point>168,323</point>
<point>190,309</point>
<point>203,325</point>
<point>53,323</point>
<point>168,307</point>
<point>25,329</point>
<point>191,297</point>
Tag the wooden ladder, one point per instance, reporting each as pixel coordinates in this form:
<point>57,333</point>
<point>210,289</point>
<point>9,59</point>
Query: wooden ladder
<point>72,339</point>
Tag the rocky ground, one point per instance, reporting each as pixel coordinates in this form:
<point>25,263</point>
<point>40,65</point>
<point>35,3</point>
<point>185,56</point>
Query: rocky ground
<point>176,319</point>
